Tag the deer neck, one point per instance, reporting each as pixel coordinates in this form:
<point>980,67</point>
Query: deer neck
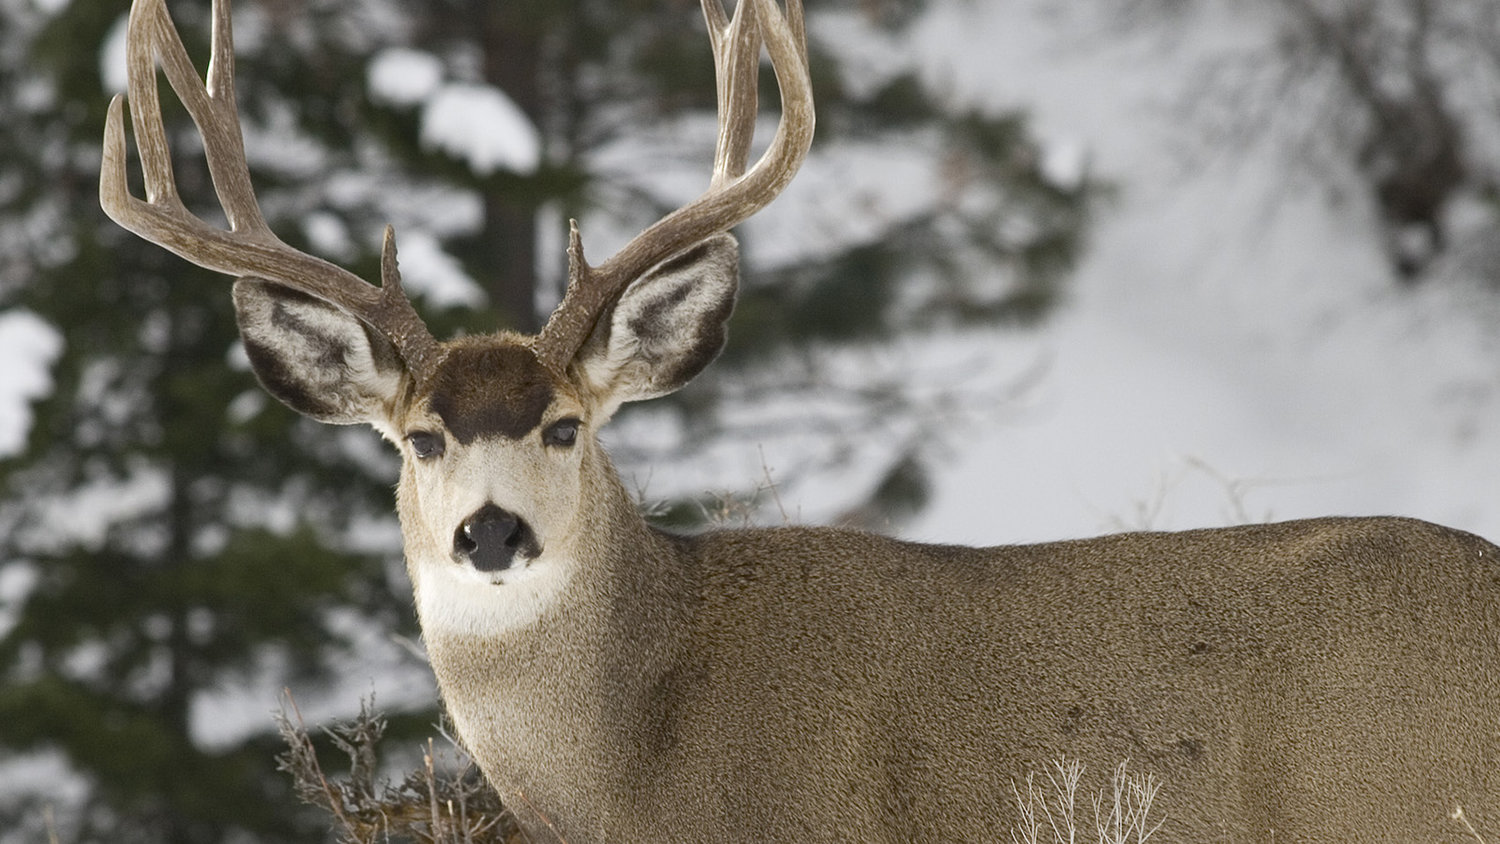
<point>542,690</point>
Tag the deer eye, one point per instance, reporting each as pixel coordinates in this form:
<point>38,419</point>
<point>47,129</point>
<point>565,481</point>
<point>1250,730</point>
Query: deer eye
<point>426,444</point>
<point>562,433</point>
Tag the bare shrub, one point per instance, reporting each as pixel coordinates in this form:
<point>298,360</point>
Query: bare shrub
<point>445,801</point>
<point>1049,813</point>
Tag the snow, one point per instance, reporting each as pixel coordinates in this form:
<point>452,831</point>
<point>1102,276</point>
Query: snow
<point>1065,163</point>
<point>328,235</point>
<point>402,76</point>
<point>468,120</point>
<point>375,664</point>
<point>430,271</point>
<point>1234,349</point>
<point>112,74</point>
<point>30,346</point>
<point>46,777</point>
<point>17,580</point>
<point>51,7</point>
<point>84,517</point>
<point>482,125</point>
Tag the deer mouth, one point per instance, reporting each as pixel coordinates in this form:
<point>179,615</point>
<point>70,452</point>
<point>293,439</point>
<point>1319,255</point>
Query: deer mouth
<point>495,540</point>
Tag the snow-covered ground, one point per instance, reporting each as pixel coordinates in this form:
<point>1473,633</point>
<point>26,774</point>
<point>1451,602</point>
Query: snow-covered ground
<point>1234,348</point>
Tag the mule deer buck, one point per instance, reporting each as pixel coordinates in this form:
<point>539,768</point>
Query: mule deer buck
<point>1332,680</point>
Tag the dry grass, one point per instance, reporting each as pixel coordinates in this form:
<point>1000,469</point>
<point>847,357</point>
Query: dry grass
<point>1459,816</point>
<point>1050,812</point>
<point>445,801</point>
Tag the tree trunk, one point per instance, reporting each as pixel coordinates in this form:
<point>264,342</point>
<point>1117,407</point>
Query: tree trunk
<point>512,63</point>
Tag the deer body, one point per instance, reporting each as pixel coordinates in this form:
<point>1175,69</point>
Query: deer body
<point>1334,679</point>
<point>821,685</point>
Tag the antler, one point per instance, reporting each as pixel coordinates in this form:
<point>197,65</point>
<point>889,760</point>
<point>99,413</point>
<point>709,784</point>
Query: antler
<point>733,195</point>
<point>248,248</point>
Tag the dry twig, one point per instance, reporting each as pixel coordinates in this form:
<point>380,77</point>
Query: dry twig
<point>442,802</point>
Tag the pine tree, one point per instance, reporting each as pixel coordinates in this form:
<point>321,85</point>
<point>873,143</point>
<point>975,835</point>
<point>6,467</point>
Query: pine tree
<point>175,532</point>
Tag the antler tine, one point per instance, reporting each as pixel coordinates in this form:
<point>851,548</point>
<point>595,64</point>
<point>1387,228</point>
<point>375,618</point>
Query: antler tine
<point>212,107</point>
<point>731,197</point>
<point>248,248</point>
<point>736,45</point>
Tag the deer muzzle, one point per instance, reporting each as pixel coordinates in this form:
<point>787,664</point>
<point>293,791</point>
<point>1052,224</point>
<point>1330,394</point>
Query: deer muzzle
<point>492,538</point>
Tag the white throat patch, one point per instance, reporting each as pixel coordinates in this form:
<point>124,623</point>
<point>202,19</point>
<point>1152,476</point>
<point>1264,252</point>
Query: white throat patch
<point>459,599</point>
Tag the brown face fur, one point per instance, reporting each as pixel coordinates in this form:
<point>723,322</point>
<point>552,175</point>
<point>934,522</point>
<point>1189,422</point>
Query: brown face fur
<point>490,400</point>
<point>510,403</point>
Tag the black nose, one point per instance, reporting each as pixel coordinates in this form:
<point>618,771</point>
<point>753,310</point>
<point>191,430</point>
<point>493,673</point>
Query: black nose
<point>492,537</point>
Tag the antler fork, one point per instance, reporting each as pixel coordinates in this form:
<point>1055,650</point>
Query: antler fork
<point>733,195</point>
<point>248,248</point>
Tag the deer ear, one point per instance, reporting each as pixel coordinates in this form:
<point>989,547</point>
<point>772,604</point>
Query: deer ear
<point>667,326</point>
<point>318,359</point>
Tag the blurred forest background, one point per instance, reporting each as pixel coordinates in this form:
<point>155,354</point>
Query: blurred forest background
<point>176,548</point>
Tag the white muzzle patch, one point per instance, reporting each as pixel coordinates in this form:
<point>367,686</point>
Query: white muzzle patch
<point>456,598</point>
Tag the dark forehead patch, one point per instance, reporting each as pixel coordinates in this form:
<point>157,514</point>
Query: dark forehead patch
<point>491,391</point>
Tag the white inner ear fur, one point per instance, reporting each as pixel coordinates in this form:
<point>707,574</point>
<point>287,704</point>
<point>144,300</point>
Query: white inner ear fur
<point>320,360</point>
<point>667,326</point>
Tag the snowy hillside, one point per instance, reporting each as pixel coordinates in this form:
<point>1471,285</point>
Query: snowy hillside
<point>1235,347</point>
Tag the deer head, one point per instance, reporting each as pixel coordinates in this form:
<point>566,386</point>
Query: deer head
<point>497,432</point>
